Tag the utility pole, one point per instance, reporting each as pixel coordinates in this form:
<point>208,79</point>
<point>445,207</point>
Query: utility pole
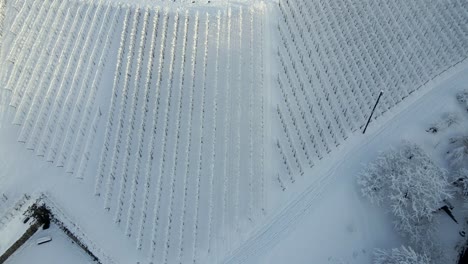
<point>373,110</point>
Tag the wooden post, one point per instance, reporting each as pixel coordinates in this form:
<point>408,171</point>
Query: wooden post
<point>372,113</point>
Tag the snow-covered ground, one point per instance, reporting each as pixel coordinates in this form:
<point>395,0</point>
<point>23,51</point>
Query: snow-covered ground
<point>341,226</point>
<point>180,132</point>
<point>60,250</point>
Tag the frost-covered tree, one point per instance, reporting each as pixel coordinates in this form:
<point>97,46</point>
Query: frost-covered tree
<point>401,255</point>
<point>458,155</point>
<point>409,182</point>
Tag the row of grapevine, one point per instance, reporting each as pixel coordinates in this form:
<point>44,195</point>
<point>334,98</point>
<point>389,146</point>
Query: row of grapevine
<point>50,109</point>
<point>86,102</point>
<point>65,88</point>
<point>133,112</point>
<point>24,7</point>
<point>336,56</point>
<point>41,102</point>
<point>3,93</point>
<point>201,158</point>
<point>140,139</point>
<point>85,134</point>
<point>182,46</point>
<point>109,127</point>
<point>184,116</point>
<point>219,21</point>
<point>3,7</point>
<point>83,165</point>
<point>56,61</point>
<point>159,22</point>
<point>188,149</point>
<point>75,101</point>
<point>29,93</point>
<point>22,47</point>
<point>122,114</point>
<point>22,29</point>
<point>226,188</point>
<point>166,111</point>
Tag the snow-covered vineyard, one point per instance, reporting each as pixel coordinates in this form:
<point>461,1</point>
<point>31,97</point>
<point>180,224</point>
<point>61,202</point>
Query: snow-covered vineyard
<point>336,56</point>
<point>178,132</point>
<point>182,152</point>
<point>183,119</point>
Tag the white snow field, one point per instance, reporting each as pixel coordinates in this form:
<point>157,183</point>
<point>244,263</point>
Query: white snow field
<point>179,131</point>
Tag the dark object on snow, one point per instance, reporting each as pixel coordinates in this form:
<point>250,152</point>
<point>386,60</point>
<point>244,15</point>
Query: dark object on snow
<point>450,206</point>
<point>463,257</point>
<point>41,214</point>
<point>462,98</point>
<point>432,130</point>
<point>370,117</point>
<point>446,209</point>
<point>44,240</point>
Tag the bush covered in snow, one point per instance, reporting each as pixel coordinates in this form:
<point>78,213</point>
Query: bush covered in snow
<point>458,155</point>
<point>401,255</point>
<point>461,183</point>
<point>462,98</point>
<point>446,120</point>
<point>408,181</point>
